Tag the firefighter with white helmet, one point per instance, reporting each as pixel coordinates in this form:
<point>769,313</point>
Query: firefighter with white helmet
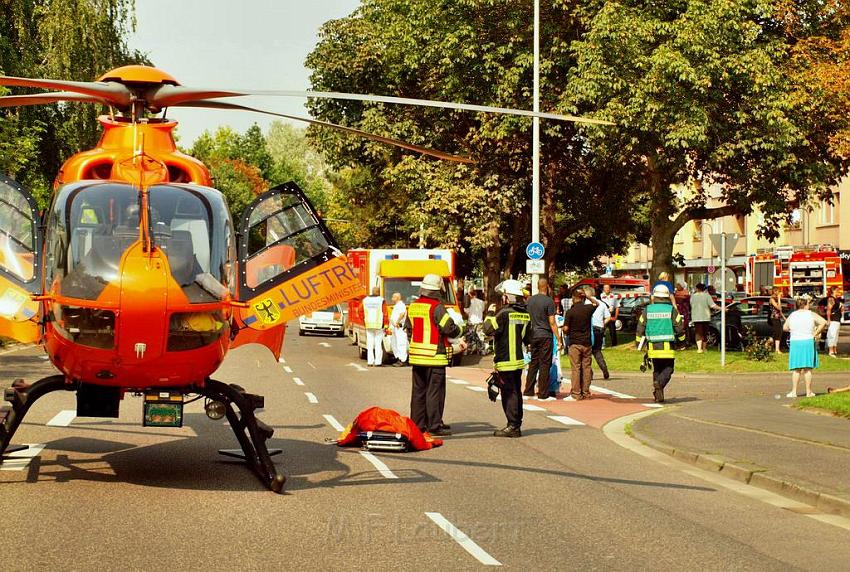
<point>430,327</point>
<point>511,328</point>
<point>660,326</point>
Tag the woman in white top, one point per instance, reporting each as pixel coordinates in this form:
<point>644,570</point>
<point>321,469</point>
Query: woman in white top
<point>805,326</point>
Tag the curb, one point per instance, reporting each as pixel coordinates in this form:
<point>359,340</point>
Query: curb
<point>750,474</point>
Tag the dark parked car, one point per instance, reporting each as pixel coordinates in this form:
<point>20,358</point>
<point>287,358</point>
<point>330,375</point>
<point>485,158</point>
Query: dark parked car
<point>630,311</point>
<point>750,312</point>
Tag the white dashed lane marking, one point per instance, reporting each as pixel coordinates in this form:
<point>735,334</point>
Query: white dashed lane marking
<point>357,366</point>
<point>611,392</point>
<point>310,397</point>
<point>565,420</point>
<point>20,460</point>
<point>287,369</point>
<point>324,344</point>
<point>63,418</point>
<point>379,464</point>
<point>461,538</point>
<point>333,422</point>
<point>297,381</point>
<point>528,407</point>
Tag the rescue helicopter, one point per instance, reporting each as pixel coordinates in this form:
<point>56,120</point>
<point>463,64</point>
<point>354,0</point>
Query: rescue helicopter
<point>137,281</point>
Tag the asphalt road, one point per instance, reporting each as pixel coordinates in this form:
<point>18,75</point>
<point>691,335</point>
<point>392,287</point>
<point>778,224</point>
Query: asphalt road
<point>112,495</point>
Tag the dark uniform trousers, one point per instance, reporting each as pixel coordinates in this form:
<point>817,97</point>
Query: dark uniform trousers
<point>428,397</point>
<point>511,396</point>
<point>538,368</point>
<point>662,371</point>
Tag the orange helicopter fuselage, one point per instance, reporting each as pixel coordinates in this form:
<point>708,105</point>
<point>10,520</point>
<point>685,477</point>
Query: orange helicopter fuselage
<point>142,304</point>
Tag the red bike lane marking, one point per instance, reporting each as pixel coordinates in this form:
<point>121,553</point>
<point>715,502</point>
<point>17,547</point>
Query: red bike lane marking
<point>594,412</point>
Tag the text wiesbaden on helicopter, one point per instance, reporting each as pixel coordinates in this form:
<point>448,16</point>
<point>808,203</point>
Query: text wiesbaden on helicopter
<point>136,279</point>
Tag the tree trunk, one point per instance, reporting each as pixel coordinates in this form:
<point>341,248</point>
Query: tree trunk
<point>492,266</point>
<point>662,249</point>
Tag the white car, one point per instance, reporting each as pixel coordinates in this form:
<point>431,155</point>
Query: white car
<point>330,320</point>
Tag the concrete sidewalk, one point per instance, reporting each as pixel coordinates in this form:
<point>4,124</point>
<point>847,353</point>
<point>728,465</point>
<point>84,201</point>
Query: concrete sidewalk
<point>761,441</point>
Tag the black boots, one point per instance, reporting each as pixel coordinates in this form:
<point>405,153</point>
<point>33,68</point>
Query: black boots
<point>508,431</point>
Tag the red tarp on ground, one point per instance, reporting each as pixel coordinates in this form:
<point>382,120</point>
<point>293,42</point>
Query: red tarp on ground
<point>377,419</point>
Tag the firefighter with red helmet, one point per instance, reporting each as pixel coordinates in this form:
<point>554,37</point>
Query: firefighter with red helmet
<point>429,327</point>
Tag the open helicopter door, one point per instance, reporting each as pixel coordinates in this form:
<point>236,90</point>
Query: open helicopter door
<point>289,264</point>
<point>20,263</point>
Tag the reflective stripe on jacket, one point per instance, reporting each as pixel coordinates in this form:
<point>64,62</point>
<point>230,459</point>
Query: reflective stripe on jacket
<point>511,329</point>
<point>429,326</point>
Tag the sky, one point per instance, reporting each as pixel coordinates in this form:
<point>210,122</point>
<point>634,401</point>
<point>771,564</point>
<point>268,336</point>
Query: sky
<point>247,44</point>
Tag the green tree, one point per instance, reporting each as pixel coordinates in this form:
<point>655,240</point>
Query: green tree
<point>704,102</point>
<point>476,51</point>
<point>64,39</point>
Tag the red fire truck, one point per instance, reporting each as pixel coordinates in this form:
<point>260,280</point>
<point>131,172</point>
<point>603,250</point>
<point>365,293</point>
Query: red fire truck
<point>796,271</point>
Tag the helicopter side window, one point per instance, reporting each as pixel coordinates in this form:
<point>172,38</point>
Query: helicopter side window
<point>282,233</point>
<point>17,237</point>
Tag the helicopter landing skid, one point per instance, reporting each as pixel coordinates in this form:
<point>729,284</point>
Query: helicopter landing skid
<point>22,396</point>
<point>251,433</point>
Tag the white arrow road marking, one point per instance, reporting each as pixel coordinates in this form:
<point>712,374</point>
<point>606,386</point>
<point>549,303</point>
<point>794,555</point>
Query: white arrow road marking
<point>476,388</point>
<point>287,369</point>
<point>19,460</point>
<point>465,542</point>
<point>297,381</point>
<point>358,366</point>
<point>310,397</point>
<point>565,420</point>
<point>379,464</point>
<point>324,344</point>
<point>63,418</point>
<point>333,422</point>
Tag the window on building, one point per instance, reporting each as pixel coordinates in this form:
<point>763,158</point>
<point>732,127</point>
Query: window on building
<point>796,219</point>
<point>827,211</point>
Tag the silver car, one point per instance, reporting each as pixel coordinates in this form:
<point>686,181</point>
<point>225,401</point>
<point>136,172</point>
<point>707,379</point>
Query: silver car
<point>330,320</point>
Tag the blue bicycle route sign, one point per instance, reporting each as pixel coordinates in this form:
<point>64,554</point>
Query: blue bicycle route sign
<point>535,251</point>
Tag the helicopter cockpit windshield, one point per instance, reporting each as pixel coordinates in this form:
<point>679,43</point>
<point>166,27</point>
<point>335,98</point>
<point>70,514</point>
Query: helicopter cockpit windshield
<point>91,226</point>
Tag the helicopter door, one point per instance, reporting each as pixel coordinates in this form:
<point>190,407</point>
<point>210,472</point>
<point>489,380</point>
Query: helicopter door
<point>289,264</point>
<point>20,262</point>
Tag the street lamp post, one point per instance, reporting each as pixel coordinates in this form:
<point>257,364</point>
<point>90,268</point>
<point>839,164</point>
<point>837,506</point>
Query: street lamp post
<point>535,140</point>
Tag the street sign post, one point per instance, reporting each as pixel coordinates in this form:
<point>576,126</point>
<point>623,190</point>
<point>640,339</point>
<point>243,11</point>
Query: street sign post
<point>724,244</point>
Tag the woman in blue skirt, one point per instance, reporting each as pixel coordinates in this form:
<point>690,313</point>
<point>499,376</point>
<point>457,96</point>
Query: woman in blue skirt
<point>805,326</point>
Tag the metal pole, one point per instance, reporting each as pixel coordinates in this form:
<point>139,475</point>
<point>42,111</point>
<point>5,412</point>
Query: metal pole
<point>535,142</point>
<point>723,299</point>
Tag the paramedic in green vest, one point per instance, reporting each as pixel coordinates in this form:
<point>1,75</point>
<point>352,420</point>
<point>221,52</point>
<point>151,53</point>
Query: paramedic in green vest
<point>511,329</point>
<point>660,326</point>
<point>429,328</point>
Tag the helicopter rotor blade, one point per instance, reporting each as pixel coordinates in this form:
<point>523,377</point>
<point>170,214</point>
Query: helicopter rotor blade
<point>210,104</point>
<point>169,96</point>
<point>111,92</point>
<point>44,98</point>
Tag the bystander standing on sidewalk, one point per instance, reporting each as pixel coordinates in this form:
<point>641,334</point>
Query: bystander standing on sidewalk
<point>777,319</point>
<point>398,317</point>
<point>601,317</point>
<point>805,326</point>
<point>541,307</point>
<point>613,302</point>
<point>834,309</point>
<point>701,307</point>
<point>683,303</point>
<point>577,325</point>
<point>660,326</point>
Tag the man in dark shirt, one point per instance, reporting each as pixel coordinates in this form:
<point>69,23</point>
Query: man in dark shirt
<point>544,332</point>
<point>577,324</point>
